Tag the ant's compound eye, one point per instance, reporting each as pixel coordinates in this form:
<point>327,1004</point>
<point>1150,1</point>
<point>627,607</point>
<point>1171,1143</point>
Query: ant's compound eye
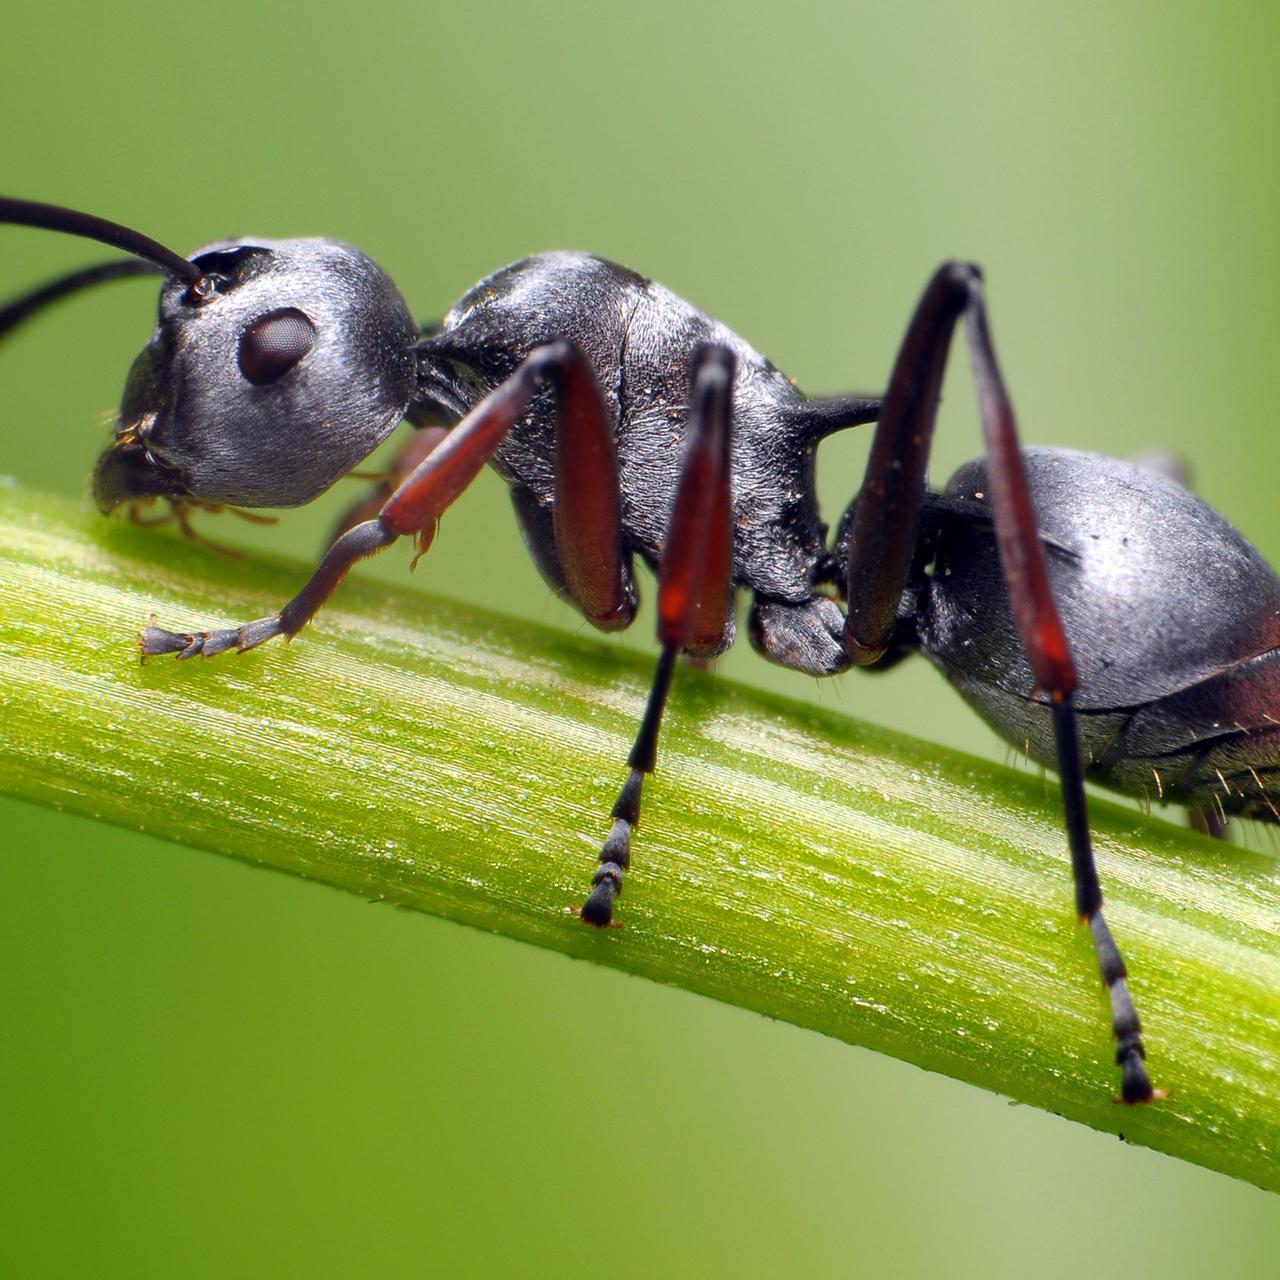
<point>273,344</point>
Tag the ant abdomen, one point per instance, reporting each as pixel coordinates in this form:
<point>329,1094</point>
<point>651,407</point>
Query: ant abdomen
<point>1137,563</point>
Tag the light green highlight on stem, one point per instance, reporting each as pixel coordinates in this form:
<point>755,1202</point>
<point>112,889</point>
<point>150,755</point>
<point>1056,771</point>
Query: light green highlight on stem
<point>791,861</point>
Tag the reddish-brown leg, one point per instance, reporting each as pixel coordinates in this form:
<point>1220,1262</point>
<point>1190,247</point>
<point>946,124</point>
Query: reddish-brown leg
<point>587,516</point>
<point>883,541</point>
<point>422,498</point>
<point>417,448</point>
<point>694,584</point>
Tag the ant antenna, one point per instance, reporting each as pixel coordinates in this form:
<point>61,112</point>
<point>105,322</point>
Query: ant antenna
<point>16,310</point>
<point>150,258</point>
<point>52,217</point>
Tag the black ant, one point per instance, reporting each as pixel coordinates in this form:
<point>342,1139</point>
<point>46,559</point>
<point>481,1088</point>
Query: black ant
<point>628,423</point>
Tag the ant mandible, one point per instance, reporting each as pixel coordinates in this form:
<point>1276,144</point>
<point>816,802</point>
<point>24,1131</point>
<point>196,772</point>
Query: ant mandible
<point>628,423</point>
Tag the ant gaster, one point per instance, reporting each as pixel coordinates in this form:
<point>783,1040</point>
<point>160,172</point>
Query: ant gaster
<point>628,423</point>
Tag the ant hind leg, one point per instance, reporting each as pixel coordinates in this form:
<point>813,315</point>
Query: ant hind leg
<point>883,540</point>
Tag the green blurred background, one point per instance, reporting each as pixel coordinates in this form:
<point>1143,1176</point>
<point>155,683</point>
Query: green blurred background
<point>211,1071</point>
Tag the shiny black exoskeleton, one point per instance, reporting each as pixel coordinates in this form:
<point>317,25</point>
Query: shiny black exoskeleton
<point>630,424</point>
<point>293,368</point>
<point>641,340</point>
<point>1173,618</point>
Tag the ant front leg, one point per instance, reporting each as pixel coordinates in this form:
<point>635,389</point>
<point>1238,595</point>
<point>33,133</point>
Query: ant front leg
<point>694,592</point>
<point>421,444</point>
<point>883,542</point>
<point>590,545</point>
<point>354,545</point>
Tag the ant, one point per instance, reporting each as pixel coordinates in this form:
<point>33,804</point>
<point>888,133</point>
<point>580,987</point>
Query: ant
<point>629,424</point>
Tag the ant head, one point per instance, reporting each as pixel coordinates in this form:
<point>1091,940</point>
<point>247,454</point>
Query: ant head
<point>269,376</point>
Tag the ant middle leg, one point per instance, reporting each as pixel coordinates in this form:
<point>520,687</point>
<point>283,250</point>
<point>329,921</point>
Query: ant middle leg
<point>694,598</point>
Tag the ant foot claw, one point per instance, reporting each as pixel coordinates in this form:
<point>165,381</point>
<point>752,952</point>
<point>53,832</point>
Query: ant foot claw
<point>153,641</point>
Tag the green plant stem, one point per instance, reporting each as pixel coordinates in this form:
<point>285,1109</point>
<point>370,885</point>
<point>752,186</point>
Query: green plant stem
<point>791,861</point>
